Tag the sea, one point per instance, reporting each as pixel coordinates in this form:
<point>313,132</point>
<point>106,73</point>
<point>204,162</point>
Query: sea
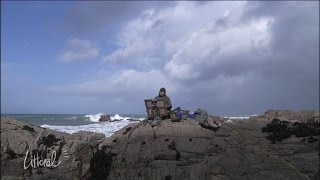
<point>71,123</point>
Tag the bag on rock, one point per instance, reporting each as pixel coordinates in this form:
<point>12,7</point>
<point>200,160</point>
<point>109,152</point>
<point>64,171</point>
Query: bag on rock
<point>201,116</point>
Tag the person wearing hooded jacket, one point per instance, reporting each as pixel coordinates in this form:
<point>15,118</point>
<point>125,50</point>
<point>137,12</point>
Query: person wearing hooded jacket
<point>163,96</point>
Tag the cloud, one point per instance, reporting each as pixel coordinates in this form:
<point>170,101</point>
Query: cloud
<point>155,33</point>
<point>78,49</point>
<point>121,92</point>
<point>139,49</point>
<point>214,47</point>
<point>96,18</point>
<point>138,43</point>
<point>127,83</point>
<point>239,57</point>
<point>189,49</point>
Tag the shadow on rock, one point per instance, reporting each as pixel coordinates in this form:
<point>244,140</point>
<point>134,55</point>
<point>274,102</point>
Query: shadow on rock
<point>209,127</point>
<point>284,129</point>
<point>100,164</point>
<point>28,128</point>
<point>50,140</point>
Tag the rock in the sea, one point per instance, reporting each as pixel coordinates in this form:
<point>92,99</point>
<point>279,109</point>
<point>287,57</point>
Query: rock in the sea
<point>174,150</point>
<point>104,118</point>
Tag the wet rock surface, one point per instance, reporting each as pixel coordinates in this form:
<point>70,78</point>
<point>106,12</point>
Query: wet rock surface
<point>274,145</point>
<point>104,118</point>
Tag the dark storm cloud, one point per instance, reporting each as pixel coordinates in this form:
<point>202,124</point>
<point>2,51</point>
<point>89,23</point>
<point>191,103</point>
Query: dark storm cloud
<point>295,39</point>
<point>294,42</point>
<point>296,26</point>
<point>88,18</point>
<point>287,78</point>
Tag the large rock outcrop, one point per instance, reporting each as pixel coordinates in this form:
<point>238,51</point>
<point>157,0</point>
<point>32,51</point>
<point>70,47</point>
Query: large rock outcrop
<point>173,150</point>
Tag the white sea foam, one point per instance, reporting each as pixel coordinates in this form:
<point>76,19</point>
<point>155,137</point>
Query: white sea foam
<point>107,128</point>
<point>239,117</point>
<point>95,117</point>
<point>229,121</point>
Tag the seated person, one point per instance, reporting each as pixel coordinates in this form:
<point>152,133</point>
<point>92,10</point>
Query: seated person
<point>162,96</point>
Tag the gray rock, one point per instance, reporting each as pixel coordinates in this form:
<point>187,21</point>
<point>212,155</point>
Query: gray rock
<point>104,118</point>
<point>173,150</point>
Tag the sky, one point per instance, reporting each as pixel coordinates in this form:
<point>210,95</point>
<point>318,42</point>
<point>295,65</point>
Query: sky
<point>229,58</point>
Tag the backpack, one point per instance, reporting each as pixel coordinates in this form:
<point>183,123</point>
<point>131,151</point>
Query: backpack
<point>201,116</point>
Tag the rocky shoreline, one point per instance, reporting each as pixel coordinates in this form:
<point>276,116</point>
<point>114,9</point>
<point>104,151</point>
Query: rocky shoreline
<point>279,144</point>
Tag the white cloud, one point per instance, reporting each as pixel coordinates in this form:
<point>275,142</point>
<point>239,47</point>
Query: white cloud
<point>136,44</point>
<point>212,53</point>
<point>123,83</point>
<point>184,42</point>
<point>208,48</point>
<point>78,49</point>
<point>136,50</point>
<point>184,38</point>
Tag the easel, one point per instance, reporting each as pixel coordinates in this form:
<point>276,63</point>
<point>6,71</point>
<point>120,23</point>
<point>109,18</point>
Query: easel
<point>156,109</point>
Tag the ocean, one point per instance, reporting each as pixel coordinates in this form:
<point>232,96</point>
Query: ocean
<point>71,123</point>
